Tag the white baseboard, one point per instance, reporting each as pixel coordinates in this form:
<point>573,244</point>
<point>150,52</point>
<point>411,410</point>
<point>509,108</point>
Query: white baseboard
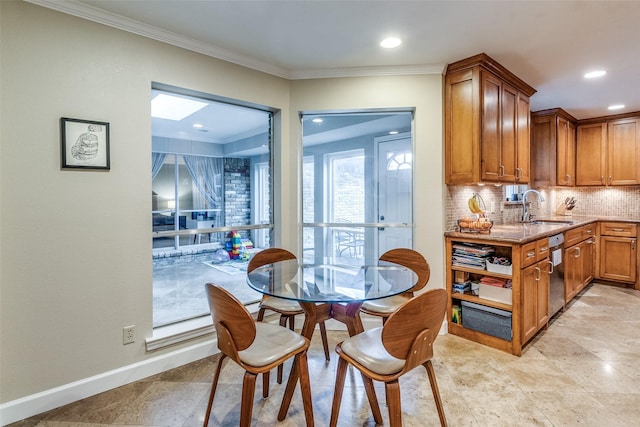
<point>38,403</point>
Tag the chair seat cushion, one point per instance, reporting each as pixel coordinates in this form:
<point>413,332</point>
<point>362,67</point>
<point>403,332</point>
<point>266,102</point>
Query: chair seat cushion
<point>271,343</point>
<point>385,305</point>
<point>367,349</point>
<point>280,305</point>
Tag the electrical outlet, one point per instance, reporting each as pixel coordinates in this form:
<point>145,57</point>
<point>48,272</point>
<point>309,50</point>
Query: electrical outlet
<point>128,334</point>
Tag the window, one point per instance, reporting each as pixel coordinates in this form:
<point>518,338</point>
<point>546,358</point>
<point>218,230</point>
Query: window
<point>356,184</point>
<point>211,176</point>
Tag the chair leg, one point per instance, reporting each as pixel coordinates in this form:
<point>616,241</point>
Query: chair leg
<point>265,385</point>
<point>289,389</point>
<point>436,393</point>
<point>214,385</point>
<point>305,387</point>
<point>392,390</point>
<point>260,314</point>
<point>325,342</point>
<point>337,392</point>
<point>246,406</point>
<point>283,322</point>
<point>373,400</point>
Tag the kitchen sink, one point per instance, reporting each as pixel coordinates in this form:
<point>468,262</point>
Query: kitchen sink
<point>554,222</point>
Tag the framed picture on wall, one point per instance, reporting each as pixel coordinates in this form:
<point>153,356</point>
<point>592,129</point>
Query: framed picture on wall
<point>85,144</point>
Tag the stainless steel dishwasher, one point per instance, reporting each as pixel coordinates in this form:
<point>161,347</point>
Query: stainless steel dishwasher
<point>556,276</point>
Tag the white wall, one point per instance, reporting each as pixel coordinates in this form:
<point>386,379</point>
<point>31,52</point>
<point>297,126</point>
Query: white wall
<point>76,245</point>
<point>75,253</point>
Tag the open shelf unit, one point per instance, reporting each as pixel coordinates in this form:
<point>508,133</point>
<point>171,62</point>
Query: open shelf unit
<point>506,249</point>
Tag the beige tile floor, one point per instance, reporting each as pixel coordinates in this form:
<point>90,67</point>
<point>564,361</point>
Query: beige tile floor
<point>584,370</point>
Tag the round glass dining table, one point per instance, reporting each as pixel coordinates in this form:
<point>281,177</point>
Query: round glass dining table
<point>331,289</point>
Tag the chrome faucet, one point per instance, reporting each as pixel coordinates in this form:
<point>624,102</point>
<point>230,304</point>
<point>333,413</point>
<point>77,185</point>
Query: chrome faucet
<point>526,216</point>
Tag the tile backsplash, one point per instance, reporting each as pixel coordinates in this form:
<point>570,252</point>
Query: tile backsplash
<point>601,201</point>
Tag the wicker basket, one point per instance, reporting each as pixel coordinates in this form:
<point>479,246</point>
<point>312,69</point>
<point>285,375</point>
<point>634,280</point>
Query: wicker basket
<point>481,225</point>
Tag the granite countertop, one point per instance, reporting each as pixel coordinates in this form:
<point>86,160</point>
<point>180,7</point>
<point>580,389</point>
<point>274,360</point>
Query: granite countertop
<point>525,232</point>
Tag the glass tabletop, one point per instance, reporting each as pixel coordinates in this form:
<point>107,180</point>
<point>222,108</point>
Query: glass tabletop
<point>331,283</point>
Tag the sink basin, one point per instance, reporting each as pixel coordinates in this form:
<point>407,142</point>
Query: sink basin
<point>543,222</point>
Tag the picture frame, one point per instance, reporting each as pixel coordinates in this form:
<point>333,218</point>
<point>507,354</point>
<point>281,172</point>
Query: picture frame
<point>84,144</point>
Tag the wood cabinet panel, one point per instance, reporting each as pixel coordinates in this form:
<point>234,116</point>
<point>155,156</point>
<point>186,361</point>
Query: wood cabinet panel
<point>623,152</point>
<point>461,128</point>
<point>566,163</point>
<point>535,298</point>
<point>590,154</point>
<point>491,128</point>
<point>608,152</point>
<point>618,258</point>
<point>553,148</point>
<point>523,140</point>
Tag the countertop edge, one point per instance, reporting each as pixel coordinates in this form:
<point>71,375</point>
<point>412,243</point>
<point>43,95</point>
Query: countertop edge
<point>520,233</point>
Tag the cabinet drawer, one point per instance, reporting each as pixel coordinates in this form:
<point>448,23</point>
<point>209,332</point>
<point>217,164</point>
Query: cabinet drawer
<point>618,229</point>
<point>528,254</point>
<point>572,236</point>
<point>542,249</point>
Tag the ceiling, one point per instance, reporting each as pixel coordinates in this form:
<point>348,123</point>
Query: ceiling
<point>548,44</point>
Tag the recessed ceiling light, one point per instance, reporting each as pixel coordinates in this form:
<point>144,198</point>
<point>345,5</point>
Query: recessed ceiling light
<point>595,74</point>
<point>317,120</point>
<point>391,42</point>
<point>198,125</point>
<point>393,132</point>
<point>616,107</point>
<point>173,107</point>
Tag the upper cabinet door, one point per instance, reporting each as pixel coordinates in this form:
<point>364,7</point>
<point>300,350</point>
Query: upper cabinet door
<point>492,168</point>
<point>566,161</point>
<point>590,154</point>
<point>523,140</point>
<point>623,152</point>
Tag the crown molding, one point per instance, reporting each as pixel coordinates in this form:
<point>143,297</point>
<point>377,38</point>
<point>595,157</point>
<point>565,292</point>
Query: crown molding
<point>366,71</point>
<point>100,16</point>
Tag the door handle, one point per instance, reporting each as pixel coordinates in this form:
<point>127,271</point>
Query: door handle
<point>537,269</point>
<point>550,267</point>
<point>577,255</point>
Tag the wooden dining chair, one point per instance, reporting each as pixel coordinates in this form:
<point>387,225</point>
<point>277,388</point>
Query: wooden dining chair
<point>410,259</point>
<point>286,308</point>
<point>386,353</point>
<point>257,347</point>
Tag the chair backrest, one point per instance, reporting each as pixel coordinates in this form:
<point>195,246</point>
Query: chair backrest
<point>414,261</point>
<point>421,313</point>
<point>268,256</point>
<point>229,313</point>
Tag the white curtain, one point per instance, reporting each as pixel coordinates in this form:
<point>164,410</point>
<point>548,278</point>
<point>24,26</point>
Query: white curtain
<point>207,175</point>
<point>157,160</point>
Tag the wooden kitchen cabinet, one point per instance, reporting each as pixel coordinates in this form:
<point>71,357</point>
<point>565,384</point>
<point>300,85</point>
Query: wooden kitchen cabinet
<point>579,267</point>
<point>553,148</point>
<point>578,259</point>
<point>535,298</point>
<point>618,253</point>
<point>608,152</point>
<point>487,123</point>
